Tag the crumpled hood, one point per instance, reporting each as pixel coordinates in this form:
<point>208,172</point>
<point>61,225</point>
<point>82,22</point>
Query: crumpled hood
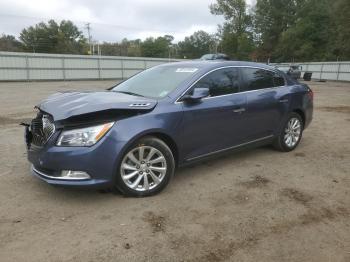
<point>68,104</point>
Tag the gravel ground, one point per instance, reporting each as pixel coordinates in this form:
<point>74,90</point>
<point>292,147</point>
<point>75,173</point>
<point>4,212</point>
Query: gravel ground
<point>259,205</point>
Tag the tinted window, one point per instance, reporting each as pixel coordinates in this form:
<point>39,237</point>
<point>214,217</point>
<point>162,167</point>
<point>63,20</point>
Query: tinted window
<point>221,82</point>
<point>278,80</point>
<point>255,78</point>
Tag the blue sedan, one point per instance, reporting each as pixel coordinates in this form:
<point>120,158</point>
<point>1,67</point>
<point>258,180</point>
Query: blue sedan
<point>133,136</point>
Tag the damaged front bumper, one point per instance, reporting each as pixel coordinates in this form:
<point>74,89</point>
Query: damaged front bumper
<point>92,167</point>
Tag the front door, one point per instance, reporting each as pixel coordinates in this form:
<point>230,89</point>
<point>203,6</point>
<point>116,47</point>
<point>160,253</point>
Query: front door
<point>218,121</point>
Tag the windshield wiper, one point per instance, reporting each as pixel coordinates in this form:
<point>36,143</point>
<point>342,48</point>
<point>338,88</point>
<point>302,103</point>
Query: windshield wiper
<point>129,93</point>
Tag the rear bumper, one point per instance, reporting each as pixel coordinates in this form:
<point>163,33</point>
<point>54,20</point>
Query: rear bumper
<point>308,114</point>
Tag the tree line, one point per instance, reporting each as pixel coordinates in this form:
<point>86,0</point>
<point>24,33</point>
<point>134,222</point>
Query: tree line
<point>271,30</point>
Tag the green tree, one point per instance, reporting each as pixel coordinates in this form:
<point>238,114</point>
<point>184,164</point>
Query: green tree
<point>196,45</point>
<point>236,34</point>
<point>10,44</point>
<point>157,47</point>
<point>340,40</point>
<point>63,38</point>
<point>271,19</point>
<point>308,39</point>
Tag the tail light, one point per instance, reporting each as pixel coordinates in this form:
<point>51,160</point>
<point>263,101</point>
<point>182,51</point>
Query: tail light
<point>311,94</point>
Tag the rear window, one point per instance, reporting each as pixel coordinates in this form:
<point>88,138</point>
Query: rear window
<point>278,80</point>
<point>256,78</point>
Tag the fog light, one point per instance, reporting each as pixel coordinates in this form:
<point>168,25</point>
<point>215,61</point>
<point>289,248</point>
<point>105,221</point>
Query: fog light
<point>69,174</point>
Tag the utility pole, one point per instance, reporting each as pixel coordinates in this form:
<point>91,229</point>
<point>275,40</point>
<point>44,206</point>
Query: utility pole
<point>88,29</point>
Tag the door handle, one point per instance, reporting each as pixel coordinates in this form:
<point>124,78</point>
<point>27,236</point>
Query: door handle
<point>238,110</point>
<point>283,100</point>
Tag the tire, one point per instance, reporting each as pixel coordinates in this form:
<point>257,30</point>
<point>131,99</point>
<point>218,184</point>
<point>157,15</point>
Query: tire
<point>281,142</point>
<point>146,168</point>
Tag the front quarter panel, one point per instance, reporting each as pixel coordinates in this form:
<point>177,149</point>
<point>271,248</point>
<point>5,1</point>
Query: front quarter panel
<point>165,119</point>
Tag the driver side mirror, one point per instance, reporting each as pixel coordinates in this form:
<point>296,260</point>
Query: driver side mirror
<point>198,94</point>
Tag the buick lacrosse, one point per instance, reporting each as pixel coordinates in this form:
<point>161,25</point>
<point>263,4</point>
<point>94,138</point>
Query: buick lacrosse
<point>133,136</point>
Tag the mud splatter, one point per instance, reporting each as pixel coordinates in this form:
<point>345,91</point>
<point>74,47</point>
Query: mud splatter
<point>296,195</point>
<point>338,109</point>
<point>256,182</point>
<point>313,215</point>
<point>299,154</point>
<point>156,222</point>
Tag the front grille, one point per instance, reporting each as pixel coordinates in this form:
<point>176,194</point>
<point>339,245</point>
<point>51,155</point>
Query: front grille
<point>42,128</point>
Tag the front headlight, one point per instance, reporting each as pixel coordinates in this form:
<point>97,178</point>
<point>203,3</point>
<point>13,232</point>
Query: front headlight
<point>84,136</point>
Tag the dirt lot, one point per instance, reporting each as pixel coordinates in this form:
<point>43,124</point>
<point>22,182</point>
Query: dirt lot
<point>259,205</point>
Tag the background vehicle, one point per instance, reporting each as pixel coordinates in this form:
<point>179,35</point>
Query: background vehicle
<point>134,136</point>
<point>217,56</point>
<point>294,71</point>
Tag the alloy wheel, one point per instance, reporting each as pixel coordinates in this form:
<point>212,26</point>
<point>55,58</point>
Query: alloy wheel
<point>292,132</point>
<point>143,168</point>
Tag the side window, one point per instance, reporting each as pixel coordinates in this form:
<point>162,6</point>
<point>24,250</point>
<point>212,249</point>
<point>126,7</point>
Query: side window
<point>278,80</point>
<point>221,82</point>
<point>256,78</point>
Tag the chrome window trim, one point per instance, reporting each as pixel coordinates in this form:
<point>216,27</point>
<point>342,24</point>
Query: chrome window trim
<point>223,67</point>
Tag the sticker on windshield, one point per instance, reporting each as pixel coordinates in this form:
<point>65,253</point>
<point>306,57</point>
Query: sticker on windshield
<point>186,70</point>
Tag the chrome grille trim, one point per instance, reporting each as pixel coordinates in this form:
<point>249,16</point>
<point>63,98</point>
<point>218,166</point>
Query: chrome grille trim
<point>42,128</point>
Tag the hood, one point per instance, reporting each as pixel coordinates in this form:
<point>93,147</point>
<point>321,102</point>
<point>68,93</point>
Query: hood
<point>69,104</point>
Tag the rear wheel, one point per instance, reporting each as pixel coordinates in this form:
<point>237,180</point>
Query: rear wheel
<point>146,168</point>
<point>291,133</point>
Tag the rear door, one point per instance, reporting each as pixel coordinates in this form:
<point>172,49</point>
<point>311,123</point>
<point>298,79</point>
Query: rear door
<point>267,101</point>
<point>216,122</point>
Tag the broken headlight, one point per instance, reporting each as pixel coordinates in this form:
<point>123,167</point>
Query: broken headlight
<point>87,136</point>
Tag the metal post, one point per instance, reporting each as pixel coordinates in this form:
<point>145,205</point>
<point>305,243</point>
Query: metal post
<point>145,64</point>
<point>99,67</point>
<point>27,67</point>
<point>338,71</point>
<point>122,63</point>
<point>321,71</point>
<point>63,69</point>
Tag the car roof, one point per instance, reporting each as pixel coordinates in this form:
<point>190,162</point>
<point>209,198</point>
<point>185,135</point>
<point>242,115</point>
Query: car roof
<point>205,66</point>
<point>213,64</point>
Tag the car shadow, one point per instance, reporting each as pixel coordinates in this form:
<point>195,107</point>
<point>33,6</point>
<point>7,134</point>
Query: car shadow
<point>192,170</point>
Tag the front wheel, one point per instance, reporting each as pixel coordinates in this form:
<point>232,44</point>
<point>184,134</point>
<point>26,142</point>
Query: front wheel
<point>146,168</point>
<point>291,133</point>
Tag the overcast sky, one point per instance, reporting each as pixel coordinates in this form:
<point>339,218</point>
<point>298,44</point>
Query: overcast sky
<point>112,20</point>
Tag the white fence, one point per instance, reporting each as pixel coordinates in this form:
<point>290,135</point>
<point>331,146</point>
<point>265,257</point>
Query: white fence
<point>338,71</point>
<point>31,67</point>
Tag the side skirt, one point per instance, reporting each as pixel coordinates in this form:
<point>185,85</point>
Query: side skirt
<point>237,148</point>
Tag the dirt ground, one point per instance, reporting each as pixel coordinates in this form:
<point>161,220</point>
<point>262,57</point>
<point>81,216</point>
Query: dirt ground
<point>259,205</point>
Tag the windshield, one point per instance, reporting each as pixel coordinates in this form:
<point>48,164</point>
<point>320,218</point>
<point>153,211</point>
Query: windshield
<point>156,82</point>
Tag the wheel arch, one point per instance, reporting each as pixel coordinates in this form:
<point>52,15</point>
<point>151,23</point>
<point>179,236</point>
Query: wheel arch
<point>166,138</point>
<point>300,113</point>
